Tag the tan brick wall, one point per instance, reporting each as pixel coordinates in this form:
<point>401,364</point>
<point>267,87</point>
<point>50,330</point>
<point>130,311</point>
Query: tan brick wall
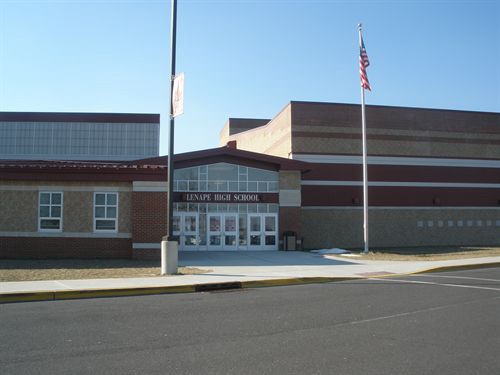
<point>273,138</point>
<point>125,212</point>
<point>224,134</point>
<point>396,131</point>
<point>391,147</point>
<point>335,128</point>
<point>238,125</point>
<point>78,211</point>
<point>289,220</point>
<point>281,147</point>
<point>329,228</point>
<point>339,139</point>
<point>431,149</point>
<point>290,179</point>
<point>327,145</point>
<point>19,211</point>
<point>20,207</point>
<point>399,228</point>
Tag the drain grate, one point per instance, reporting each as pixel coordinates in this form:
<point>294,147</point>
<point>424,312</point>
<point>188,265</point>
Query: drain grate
<point>218,286</point>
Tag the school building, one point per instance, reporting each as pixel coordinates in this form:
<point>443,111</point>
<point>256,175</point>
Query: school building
<point>94,185</point>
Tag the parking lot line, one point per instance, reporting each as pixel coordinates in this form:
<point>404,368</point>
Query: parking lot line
<point>432,283</point>
<point>459,277</point>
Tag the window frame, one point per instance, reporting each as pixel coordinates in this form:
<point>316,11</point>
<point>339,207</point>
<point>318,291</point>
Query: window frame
<point>50,205</point>
<point>206,178</point>
<point>105,205</point>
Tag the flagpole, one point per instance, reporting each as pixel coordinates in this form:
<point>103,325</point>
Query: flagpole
<point>365,167</point>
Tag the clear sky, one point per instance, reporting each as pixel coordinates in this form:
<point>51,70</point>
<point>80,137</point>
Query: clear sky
<point>245,58</point>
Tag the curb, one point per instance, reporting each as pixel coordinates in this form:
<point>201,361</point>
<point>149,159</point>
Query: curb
<point>459,267</point>
<point>140,291</point>
<point>294,281</point>
<point>91,293</point>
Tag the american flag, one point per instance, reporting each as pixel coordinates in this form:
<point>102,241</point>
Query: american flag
<point>363,64</point>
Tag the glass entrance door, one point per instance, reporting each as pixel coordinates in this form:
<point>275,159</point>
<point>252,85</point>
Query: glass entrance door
<point>226,231</point>
<point>214,232</point>
<point>270,237</point>
<point>222,231</point>
<point>230,232</point>
<point>254,232</point>
<point>185,226</point>
<point>263,232</point>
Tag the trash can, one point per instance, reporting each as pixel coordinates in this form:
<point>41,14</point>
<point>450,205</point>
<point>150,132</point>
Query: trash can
<point>289,241</point>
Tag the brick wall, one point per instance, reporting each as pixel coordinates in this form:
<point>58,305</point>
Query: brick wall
<point>272,139</point>
<point>149,216</point>
<point>147,254</point>
<point>19,223</point>
<point>289,220</point>
<point>335,128</point>
<point>60,247</point>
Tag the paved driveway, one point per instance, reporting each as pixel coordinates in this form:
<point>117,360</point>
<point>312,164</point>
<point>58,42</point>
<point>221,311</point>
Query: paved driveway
<point>254,258</point>
<point>286,264</point>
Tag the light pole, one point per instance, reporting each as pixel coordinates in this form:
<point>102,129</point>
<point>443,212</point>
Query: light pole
<point>169,245</point>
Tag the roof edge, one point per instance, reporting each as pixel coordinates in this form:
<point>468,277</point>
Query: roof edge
<point>80,117</point>
<point>391,106</point>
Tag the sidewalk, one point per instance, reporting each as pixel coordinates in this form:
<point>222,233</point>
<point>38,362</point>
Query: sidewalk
<point>232,270</point>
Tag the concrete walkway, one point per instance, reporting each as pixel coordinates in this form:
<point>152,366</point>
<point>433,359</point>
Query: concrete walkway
<point>232,270</point>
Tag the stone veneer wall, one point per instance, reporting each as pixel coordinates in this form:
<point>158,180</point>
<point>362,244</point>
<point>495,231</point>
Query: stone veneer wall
<point>19,211</point>
<point>405,227</point>
<point>77,211</point>
<point>19,234</point>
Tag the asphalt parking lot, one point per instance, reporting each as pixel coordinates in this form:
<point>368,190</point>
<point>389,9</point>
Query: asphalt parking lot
<point>480,279</point>
<point>437,323</point>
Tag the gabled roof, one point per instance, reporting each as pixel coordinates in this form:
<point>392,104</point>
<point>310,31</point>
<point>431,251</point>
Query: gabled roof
<point>228,155</point>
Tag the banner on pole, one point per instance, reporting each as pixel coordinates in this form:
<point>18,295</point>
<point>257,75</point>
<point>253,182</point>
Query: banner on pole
<point>178,95</point>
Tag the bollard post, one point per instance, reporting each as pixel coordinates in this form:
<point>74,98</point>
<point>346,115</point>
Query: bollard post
<point>169,255</point>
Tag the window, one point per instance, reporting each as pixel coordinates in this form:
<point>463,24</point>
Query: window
<point>105,212</point>
<point>225,177</point>
<point>50,211</point>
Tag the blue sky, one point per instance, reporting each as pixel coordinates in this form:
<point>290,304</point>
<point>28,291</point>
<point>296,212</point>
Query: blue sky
<point>245,58</point>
